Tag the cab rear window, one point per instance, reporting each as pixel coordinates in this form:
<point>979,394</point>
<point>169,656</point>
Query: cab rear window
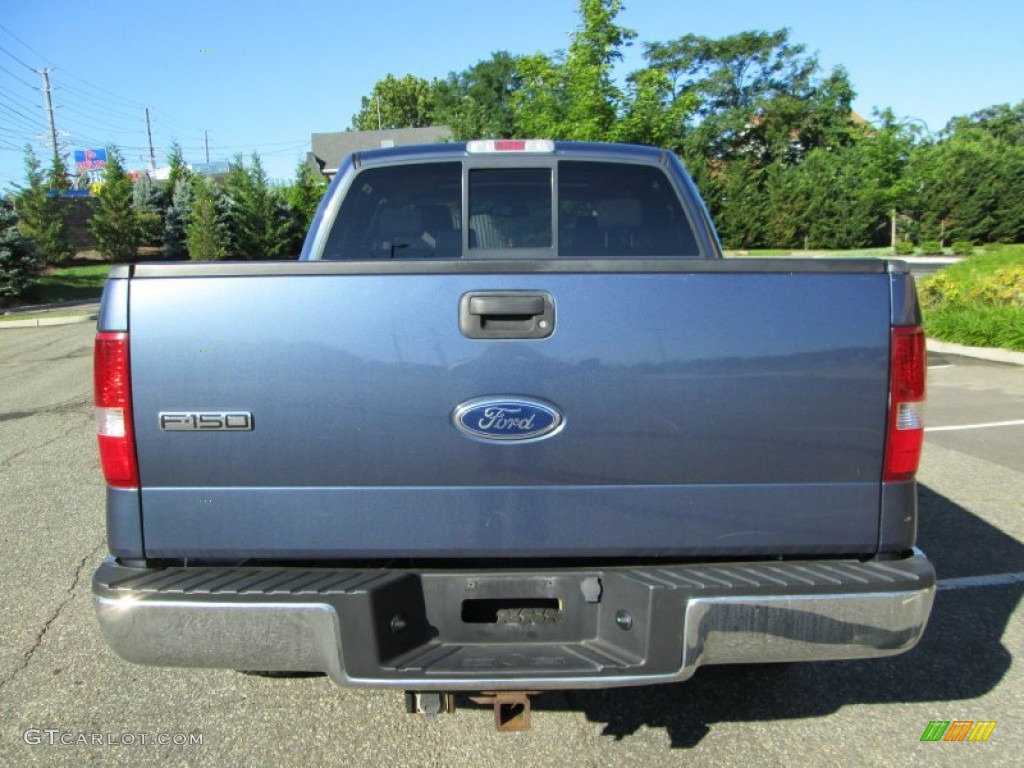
<point>400,212</point>
<point>601,210</point>
<point>617,210</point>
<point>509,208</point>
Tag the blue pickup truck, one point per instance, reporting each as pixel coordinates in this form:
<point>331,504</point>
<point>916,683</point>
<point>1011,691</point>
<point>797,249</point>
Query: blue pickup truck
<point>510,423</point>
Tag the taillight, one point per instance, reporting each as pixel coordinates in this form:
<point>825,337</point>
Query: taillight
<point>113,399</point>
<point>905,435</point>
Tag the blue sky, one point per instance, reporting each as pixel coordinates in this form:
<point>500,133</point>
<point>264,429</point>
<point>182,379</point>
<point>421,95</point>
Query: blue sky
<point>265,75</point>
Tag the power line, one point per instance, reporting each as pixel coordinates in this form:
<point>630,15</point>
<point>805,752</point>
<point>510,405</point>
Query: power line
<point>80,95</point>
<point>92,119</point>
<point>18,102</point>
<point>104,90</point>
<point>106,110</point>
<point>285,151</point>
<point>26,130</point>
<point>26,66</point>
<point>78,100</point>
<point>23,131</point>
<point>17,112</point>
<point>175,121</point>
<point>23,82</point>
<point>37,53</point>
<point>258,144</point>
<point>13,122</point>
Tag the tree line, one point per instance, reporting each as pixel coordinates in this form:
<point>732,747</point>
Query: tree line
<point>770,138</point>
<point>768,135</point>
<point>189,217</point>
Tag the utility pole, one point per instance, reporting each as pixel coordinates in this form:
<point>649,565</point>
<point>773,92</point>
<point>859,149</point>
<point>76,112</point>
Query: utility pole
<point>206,140</point>
<point>49,111</point>
<point>149,133</point>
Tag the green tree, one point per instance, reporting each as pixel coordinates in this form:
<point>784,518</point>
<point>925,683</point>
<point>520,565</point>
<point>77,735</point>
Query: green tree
<point>786,211</point>
<point>738,201</point>
<point>886,148</point>
<point>178,170</point>
<point>20,263</point>
<point>760,96</point>
<point>593,98</point>
<point>406,102</point>
<point>302,198</point>
<point>115,222</point>
<point>968,184</point>
<point>1002,122</point>
<point>757,105</point>
<point>259,222</point>
<point>148,203</point>
<point>206,238</point>
<point>539,103</point>
<point>305,194</point>
<point>651,113</point>
<point>477,102</point>
<point>574,96</point>
<point>176,220</point>
<point>818,203</point>
<point>58,177</point>
<point>42,218</point>
<point>838,212</point>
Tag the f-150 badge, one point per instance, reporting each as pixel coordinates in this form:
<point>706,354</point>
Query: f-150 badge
<point>507,419</point>
<point>205,421</point>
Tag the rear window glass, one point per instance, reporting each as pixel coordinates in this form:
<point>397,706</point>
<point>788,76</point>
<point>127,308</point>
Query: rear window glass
<point>620,210</point>
<point>400,212</point>
<point>510,208</point>
<point>605,210</point>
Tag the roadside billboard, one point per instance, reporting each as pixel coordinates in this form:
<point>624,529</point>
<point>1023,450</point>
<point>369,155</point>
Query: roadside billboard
<point>90,159</point>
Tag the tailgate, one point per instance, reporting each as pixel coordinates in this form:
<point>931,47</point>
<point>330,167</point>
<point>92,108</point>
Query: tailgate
<point>705,411</point>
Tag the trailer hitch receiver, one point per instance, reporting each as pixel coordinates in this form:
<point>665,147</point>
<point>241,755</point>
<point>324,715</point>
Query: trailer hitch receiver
<point>511,708</point>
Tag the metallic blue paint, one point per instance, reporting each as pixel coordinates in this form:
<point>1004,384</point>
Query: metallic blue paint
<point>692,397</point>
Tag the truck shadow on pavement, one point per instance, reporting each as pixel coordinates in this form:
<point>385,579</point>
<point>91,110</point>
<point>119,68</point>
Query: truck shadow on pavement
<point>960,657</point>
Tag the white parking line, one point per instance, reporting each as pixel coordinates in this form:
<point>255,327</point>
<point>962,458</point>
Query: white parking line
<point>957,427</point>
<point>989,580</point>
<point>939,367</point>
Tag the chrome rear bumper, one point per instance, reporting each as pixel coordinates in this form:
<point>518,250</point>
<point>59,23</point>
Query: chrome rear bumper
<point>616,626</point>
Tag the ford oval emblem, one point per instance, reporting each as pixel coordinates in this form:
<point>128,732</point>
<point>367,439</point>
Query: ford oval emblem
<point>507,419</point>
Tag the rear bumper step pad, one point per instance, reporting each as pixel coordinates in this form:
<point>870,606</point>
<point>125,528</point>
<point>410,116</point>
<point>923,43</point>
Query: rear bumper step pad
<point>611,626</point>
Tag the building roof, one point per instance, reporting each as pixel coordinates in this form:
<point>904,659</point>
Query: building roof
<point>329,149</point>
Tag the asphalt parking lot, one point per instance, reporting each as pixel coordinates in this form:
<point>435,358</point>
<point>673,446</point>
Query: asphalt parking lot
<point>58,681</point>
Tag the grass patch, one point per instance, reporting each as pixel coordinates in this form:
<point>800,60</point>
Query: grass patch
<point>69,284</point>
<point>971,272</point>
<point>979,301</point>
<point>978,326</point>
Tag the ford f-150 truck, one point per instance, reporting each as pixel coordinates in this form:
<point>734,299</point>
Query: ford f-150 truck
<point>510,423</point>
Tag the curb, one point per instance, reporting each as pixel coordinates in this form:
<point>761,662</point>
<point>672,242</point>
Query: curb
<point>42,321</point>
<point>30,308</point>
<point>944,261</point>
<point>978,353</point>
